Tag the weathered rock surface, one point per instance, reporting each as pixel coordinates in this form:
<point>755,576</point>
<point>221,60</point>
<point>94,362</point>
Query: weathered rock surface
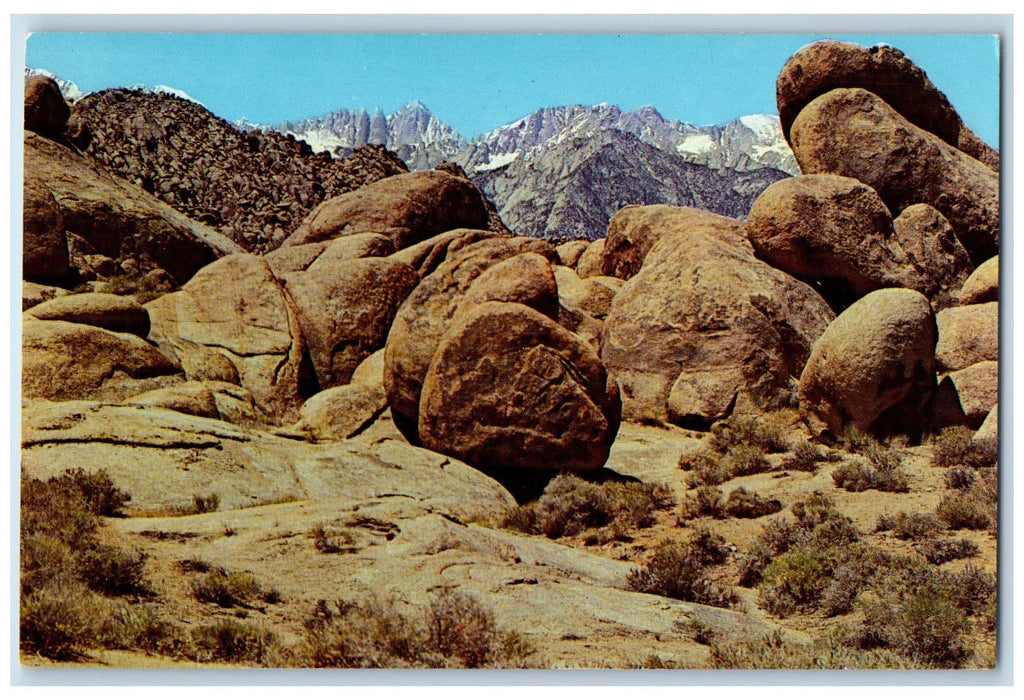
<point>887,72</point>
<point>508,388</point>
<point>525,279</point>
<point>423,318</point>
<point>65,361</point>
<point>239,309</point>
<point>830,230</point>
<point>569,252</point>
<point>427,255</point>
<point>44,244</point>
<point>874,367</point>
<point>966,397</point>
<point>930,243</point>
<point>340,412</point>
<point>989,430</point>
<point>46,112</point>
<point>967,335</point>
<point>345,310</point>
<point>33,294</point>
<point>190,398</point>
<point>370,371</point>
<point>591,261</point>
<point>294,258</point>
<point>115,313</point>
<point>634,230</point>
<point>591,296</point>
<point>854,133</point>
<point>406,208</point>
<point>359,245</point>
<point>983,284</point>
<point>705,330</point>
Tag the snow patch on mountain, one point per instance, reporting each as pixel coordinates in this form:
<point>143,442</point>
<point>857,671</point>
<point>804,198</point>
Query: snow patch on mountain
<point>68,89</point>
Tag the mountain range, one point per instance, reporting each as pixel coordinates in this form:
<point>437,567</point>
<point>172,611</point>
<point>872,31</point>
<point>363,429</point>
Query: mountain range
<point>562,172</point>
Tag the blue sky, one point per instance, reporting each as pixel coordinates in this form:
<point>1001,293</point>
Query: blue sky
<point>479,81</point>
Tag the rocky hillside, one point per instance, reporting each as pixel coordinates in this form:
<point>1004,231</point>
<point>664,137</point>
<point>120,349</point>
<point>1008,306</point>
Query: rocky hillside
<point>571,188</point>
<point>254,187</point>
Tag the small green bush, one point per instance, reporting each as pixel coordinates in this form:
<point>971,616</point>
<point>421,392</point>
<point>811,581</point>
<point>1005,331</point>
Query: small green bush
<point>793,581</point>
<point>921,624</point>
<point>746,504</point>
<point>768,432</point>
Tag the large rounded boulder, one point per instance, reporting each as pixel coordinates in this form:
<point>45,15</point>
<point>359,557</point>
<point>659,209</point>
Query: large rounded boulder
<point>833,231</point>
<point>967,335</point>
<point>705,329</point>
<point>46,112</point>
<point>44,244</point>
<point>874,367</point>
<point>407,208</point>
<point>345,310</point>
<point>423,319</point>
<point>237,308</point>
<point>511,389</point>
<point>983,284</point>
<point>854,133</point>
<point>930,243</point>
<point>887,72</point>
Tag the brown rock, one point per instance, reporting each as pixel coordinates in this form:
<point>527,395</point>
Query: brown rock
<point>510,389</point>
<point>429,254</point>
<point>239,308</point>
<point>967,335</point>
<point>591,262</point>
<point>966,397</point>
<point>345,310</point>
<point>854,133</point>
<point>705,316</point>
<point>46,112</point>
<point>874,366</point>
<point>340,412</point>
<point>294,258</point>
<point>33,294</point>
<point>634,230</point>
<point>525,279</point>
<point>370,371</point>
<point>359,245</point>
<point>115,313</point>
<point>591,296</point>
<point>931,244</point>
<point>569,253</point>
<point>983,284</point>
<point>424,317</point>
<point>64,361</point>
<point>118,219</point>
<point>406,208</point>
<point>830,230</point>
<point>989,430</point>
<point>190,398</point>
<point>886,71</point>
<point>44,244</point>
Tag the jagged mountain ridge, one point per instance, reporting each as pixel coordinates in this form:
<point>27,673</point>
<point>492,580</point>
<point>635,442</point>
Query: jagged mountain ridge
<point>572,189</point>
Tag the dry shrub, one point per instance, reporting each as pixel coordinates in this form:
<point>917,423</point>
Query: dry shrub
<point>679,571</point>
<point>232,641</point>
<point>805,457</point>
<point>59,619</point>
<point>709,468</point>
<point>226,589</point>
<point>706,501</point>
<point>767,432</point>
<point>960,478</point>
<point>455,632</point>
<point>959,511</point>
<point>773,651</point>
<point>570,506</point>
<point>937,551</point>
<point>747,504</point>
<point>857,477</point>
<point>956,446</point>
<point>915,526</point>
<point>330,540</point>
<point>744,460</point>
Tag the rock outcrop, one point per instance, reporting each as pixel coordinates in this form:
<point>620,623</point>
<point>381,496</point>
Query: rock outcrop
<point>407,208</point>
<point>967,335</point>
<point>887,72</point>
<point>983,284</point>
<point>508,388</point>
<point>119,220</point>
<point>345,309</point>
<point>705,329</point>
<point>46,112</point>
<point>831,231</point>
<point>873,367</point>
<point>932,247</point>
<point>44,243</point>
<point>854,133</point>
<point>966,397</point>
<point>238,309</point>
<point>115,313</point>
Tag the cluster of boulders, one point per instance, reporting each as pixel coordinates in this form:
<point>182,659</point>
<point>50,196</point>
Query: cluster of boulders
<point>865,291</point>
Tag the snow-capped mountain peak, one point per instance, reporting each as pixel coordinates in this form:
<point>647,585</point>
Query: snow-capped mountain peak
<point>68,89</point>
